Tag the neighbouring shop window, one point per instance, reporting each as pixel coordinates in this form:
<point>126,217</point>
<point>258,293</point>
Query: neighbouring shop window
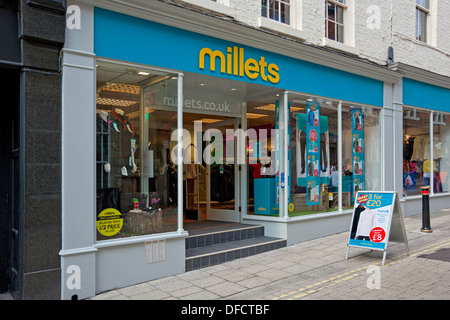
<point>441,151</point>
<point>334,19</point>
<point>136,177</point>
<point>278,10</point>
<point>416,150</point>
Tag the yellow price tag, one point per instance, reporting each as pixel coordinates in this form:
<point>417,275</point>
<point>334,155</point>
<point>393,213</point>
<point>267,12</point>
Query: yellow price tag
<point>109,222</point>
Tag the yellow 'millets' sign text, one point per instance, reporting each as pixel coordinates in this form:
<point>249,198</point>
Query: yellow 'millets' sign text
<point>234,63</point>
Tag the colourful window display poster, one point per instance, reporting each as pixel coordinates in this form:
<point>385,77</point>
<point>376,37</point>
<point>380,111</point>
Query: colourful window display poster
<point>282,180</point>
<point>371,219</point>
<point>313,153</point>
<point>377,219</point>
<point>358,149</point>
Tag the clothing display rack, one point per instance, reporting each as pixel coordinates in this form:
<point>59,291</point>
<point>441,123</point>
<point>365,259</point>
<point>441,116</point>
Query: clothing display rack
<point>191,183</point>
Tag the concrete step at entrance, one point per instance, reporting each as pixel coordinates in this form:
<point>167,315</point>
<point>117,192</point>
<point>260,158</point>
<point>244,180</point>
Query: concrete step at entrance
<point>222,234</point>
<point>214,246</point>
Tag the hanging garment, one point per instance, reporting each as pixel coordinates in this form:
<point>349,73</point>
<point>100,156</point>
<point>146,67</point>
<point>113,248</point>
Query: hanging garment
<point>110,149</point>
<point>300,152</point>
<point>325,154</point>
<point>418,148</point>
<point>437,145</point>
<point>222,183</point>
<point>107,198</point>
<point>123,127</point>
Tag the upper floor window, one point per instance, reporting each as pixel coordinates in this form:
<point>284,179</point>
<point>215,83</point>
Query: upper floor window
<point>422,13</point>
<point>334,19</point>
<point>278,10</point>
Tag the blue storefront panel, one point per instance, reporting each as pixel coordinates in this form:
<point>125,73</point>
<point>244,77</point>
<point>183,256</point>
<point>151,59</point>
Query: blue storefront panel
<point>122,37</point>
<point>420,94</point>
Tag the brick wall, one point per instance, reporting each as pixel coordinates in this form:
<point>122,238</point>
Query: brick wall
<point>396,28</point>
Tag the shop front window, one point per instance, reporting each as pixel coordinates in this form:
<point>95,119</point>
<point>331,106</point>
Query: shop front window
<point>136,177</point>
<point>314,157</point>
<point>441,152</point>
<point>416,150</point>
<point>314,154</point>
<point>262,150</point>
<point>361,151</point>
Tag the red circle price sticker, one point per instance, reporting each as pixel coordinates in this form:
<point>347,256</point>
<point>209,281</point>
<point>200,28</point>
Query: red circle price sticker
<point>313,135</point>
<point>377,234</point>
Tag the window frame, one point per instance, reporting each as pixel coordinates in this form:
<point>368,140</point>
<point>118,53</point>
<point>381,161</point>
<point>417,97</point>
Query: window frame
<point>344,7</point>
<point>419,11</point>
<point>178,229</point>
<point>268,9</point>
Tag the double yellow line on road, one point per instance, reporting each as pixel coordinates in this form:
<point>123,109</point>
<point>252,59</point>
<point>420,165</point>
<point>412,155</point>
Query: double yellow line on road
<point>316,287</point>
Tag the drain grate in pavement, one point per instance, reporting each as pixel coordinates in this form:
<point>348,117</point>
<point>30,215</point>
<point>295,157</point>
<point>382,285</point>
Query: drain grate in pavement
<point>441,254</point>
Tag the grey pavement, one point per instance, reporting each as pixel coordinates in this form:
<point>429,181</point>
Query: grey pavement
<point>318,270</point>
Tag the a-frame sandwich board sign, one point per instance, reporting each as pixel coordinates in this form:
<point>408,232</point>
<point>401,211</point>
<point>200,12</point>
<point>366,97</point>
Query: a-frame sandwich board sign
<point>377,219</point>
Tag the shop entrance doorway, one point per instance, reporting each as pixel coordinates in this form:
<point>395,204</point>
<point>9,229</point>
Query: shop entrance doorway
<point>211,183</point>
<point>211,179</point>
<point>215,184</point>
<point>223,176</point>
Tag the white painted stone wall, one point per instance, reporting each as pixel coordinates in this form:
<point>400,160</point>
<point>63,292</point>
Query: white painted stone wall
<point>431,57</point>
<point>363,37</point>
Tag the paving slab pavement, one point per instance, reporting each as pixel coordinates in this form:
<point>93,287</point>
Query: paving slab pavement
<point>318,270</point>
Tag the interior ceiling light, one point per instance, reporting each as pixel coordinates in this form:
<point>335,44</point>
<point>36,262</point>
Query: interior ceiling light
<point>267,107</point>
<point>271,107</point>
<point>122,88</point>
<point>206,120</point>
<point>143,73</point>
<point>255,115</point>
<point>115,102</point>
